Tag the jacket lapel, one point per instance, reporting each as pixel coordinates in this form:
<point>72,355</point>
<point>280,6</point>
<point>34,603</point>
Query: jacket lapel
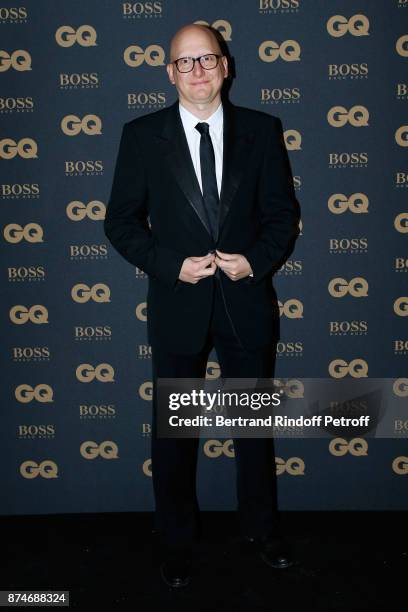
<point>237,141</point>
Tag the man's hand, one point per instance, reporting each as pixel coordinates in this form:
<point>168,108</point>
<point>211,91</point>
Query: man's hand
<point>234,265</point>
<point>195,268</point>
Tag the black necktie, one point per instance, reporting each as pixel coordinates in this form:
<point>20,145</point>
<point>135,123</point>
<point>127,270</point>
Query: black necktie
<point>208,177</point>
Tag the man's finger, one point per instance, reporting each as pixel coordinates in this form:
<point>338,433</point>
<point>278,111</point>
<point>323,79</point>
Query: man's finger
<point>226,256</point>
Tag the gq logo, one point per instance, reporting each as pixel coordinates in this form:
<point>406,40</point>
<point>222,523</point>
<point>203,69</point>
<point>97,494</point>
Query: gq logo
<point>215,448</point>
<point>270,51</point>
<point>400,387</point>
<point>147,467</point>
<point>401,306</point>
<point>146,391</point>
<point>401,136</point>
<point>357,25</point>
<point>293,140</point>
<point>357,368</point>
<point>77,211</point>
<point>72,125</point>
<point>295,466</point>
<point>292,309</point>
<point>401,223</point>
<point>41,393</point>
<point>223,27</point>
<point>357,447</point>
<point>82,293</point>
<point>32,232</point>
<point>85,36</point>
<point>357,287</point>
<point>26,148</point>
<point>153,55</point>
<point>103,372</point>
<point>339,116</point>
<point>400,465</point>
<point>19,60</point>
<point>45,469</point>
<point>339,203</point>
<point>401,45</point>
<point>213,370</point>
<point>292,388</point>
<point>141,311</point>
<point>20,314</point>
<point>106,449</point>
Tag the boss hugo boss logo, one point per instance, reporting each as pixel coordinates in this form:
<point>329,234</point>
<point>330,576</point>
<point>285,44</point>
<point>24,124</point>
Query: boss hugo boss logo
<point>149,9</point>
<point>274,6</point>
<point>357,25</point>
<point>20,104</point>
<point>289,95</point>
<point>84,35</point>
<point>352,246</point>
<point>26,273</point>
<point>344,159</point>
<point>100,411</point>
<point>346,71</point>
<point>80,167</point>
<point>13,14</point>
<point>224,27</point>
<point>26,148</point>
<point>79,80</point>
<point>348,328</point>
<point>289,349</point>
<point>134,55</point>
<point>19,60</point>
<point>288,50</point>
<point>19,190</point>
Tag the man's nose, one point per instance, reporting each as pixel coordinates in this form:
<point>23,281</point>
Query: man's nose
<point>198,69</point>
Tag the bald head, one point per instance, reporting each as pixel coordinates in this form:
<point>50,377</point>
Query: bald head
<point>193,34</point>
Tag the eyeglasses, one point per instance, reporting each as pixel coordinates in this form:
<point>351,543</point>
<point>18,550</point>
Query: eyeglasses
<point>186,64</point>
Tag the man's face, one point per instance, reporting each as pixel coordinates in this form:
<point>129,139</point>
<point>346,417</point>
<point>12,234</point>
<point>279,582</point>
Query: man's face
<point>200,86</point>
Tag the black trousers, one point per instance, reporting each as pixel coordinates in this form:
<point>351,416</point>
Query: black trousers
<point>174,461</point>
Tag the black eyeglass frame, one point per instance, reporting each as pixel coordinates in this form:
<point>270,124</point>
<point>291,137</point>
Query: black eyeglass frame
<point>195,59</point>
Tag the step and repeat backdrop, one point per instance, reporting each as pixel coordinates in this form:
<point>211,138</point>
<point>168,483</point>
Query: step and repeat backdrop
<point>75,361</point>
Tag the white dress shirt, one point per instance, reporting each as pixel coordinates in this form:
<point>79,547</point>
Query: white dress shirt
<point>216,123</point>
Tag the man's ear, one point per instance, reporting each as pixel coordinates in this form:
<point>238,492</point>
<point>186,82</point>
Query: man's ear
<point>170,69</point>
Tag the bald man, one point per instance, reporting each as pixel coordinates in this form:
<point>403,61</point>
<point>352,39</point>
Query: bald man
<point>214,181</point>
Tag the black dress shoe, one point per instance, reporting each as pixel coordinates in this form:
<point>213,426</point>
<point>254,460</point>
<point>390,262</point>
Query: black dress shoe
<point>176,571</point>
<point>275,551</point>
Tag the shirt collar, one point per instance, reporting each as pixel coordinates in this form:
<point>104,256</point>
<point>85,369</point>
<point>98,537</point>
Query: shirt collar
<point>190,121</point>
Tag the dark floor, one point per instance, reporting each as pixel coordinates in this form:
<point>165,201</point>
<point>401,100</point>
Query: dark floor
<point>354,561</point>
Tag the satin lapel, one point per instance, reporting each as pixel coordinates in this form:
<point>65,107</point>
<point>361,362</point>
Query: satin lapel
<point>236,149</point>
<point>177,153</point>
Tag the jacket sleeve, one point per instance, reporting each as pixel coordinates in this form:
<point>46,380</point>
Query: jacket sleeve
<point>126,220</point>
<point>279,209</point>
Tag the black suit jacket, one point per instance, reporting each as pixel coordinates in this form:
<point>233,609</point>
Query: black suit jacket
<point>155,220</point>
